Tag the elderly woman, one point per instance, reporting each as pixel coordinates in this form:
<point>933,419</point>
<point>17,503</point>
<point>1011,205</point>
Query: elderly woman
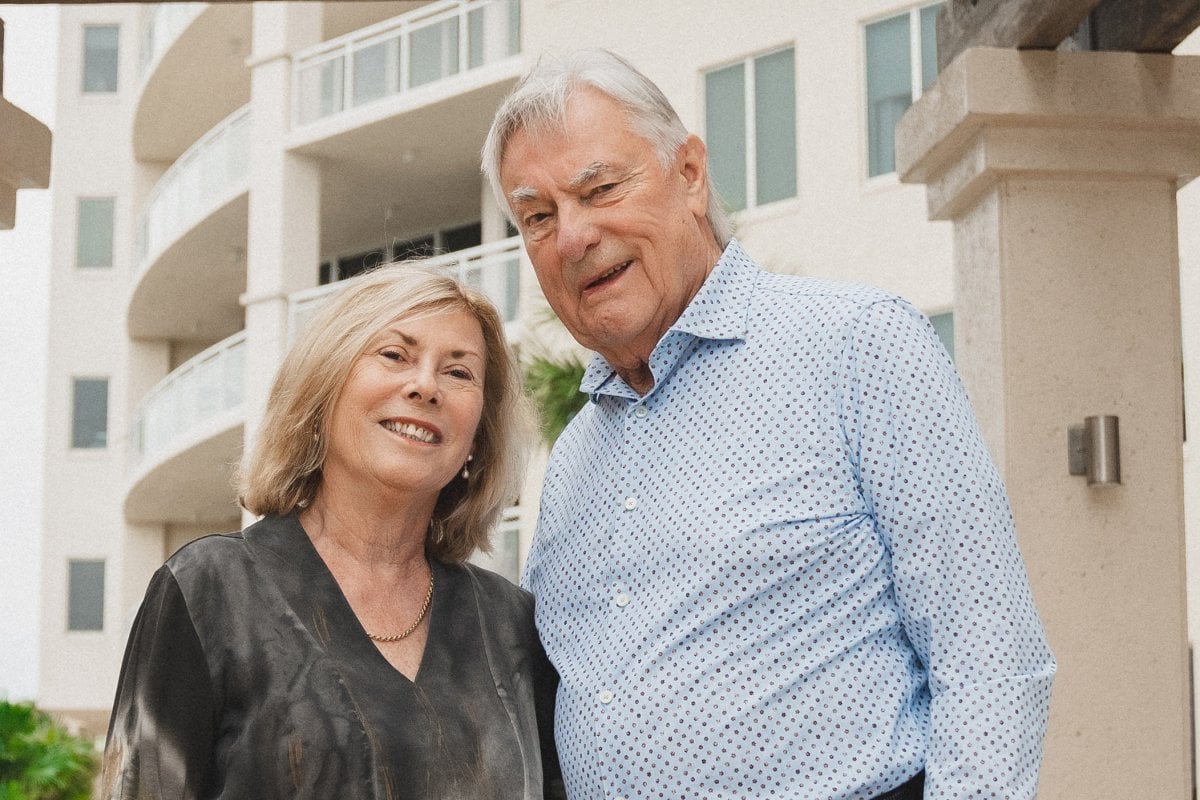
<point>340,647</point>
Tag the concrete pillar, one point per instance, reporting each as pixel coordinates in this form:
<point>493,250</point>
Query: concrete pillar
<point>283,247</point>
<point>1059,172</point>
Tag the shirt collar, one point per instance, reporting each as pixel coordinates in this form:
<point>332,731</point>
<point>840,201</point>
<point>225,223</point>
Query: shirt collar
<point>718,311</point>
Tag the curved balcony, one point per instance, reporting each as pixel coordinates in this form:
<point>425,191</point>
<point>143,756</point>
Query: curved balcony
<point>161,28</point>
<point>493,268</point>
<point>191,241</point>
<point>193,73</point>
<point>398,56</point>
<point>185,439</point>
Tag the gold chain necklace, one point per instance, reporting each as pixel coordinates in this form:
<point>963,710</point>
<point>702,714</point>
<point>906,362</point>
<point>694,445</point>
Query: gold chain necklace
<point>416,622</point>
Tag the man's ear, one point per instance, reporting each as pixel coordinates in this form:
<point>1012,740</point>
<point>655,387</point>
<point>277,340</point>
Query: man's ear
<point>693,168</point>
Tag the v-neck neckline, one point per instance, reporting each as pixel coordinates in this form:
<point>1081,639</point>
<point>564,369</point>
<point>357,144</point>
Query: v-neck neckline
<point>333,623</point>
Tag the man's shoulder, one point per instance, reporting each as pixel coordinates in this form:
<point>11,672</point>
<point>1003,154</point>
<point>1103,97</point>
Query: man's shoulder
<point>803,291</point>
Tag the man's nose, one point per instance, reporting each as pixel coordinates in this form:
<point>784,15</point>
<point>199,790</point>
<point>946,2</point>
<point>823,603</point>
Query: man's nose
<point>576,232</point>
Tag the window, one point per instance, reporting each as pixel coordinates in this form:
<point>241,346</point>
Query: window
<point>94,235</point>
<point>100,58</point>
<point>85,595</point>
<point>901,54</point>
<point>943,325</point>
<point>750,122</point>
<point>89,417</point>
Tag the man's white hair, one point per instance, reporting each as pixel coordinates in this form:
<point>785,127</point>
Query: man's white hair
<point>539,104</point>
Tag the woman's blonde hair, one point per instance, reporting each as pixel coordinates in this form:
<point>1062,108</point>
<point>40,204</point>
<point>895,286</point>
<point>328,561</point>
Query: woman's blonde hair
<point>284,471</point>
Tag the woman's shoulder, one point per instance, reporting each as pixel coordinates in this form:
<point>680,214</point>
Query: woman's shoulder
<point>495,589</point>
<point>207,548</point>
<point>213,557</point>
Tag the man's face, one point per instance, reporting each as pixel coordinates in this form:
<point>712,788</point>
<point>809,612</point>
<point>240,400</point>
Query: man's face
<point>620,244</point>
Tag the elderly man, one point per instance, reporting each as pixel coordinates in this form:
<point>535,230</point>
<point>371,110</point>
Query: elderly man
<point>774,558</point>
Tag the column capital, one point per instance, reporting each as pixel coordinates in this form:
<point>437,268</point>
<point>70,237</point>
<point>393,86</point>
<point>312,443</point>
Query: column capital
<point>998,111</point>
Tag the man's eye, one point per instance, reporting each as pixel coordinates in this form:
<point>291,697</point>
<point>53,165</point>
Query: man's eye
<point>534,219</point>
<point>604,188</point>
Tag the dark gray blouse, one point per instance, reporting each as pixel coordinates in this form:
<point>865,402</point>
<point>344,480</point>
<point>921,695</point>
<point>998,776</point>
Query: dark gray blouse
<point>247,675</point>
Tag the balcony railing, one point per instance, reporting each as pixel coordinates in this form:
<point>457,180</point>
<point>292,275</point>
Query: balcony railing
<point>422,47</point>
<point>493,268</point>
<point>217,164</point>
<point>162,27</point>
<point>200,389</point>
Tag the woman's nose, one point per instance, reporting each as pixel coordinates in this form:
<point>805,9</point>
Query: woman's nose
<point>422,386</point>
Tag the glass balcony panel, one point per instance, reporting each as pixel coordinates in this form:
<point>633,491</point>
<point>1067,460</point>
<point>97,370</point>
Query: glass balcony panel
<point>433,52</point>
<point>371,73</point>
<point>199,390</point>
<point>319,92</point>
<point>512,286</point>
<point>493,268</point>
<point>211,168</point>
<point>475,33</point>
<point>506,545</point>
<point>237,149</point>
<point>435,42</point>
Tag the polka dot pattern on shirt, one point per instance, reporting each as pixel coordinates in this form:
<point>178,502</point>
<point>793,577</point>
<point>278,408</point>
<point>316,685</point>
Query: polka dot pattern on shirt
<point>789,570</point>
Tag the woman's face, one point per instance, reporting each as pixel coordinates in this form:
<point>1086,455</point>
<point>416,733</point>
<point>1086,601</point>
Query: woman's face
<point>406,418</point>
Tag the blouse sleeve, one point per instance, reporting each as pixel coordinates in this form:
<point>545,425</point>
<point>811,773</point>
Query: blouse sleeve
<point>160,737</point>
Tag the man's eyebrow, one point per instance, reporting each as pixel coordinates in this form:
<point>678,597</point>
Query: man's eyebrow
<point>589,174</point>
<point>527,194</point>
<point>522,194</point>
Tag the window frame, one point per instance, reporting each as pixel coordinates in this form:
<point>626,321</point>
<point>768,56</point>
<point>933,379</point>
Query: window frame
<point>112,233</point>
<point>915,78</point>
<point>750,132</point>
<point>83,62</point>
<point>72,433</point>
<point>73,613</point>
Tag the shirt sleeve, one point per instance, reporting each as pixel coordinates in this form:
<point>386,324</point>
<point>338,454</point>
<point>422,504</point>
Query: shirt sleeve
<point>160,737</point>
<point>960,584</point>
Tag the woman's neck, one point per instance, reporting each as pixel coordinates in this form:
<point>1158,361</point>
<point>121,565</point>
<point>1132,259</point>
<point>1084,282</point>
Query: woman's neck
<point>377,536</point>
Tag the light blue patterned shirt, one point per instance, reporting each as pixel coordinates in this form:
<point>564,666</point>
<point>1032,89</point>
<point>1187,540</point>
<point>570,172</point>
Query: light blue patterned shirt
<point>789,569</point>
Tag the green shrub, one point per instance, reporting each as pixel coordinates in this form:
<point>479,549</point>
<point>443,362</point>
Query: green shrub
<point>39,759</point>
<point>553,384</point>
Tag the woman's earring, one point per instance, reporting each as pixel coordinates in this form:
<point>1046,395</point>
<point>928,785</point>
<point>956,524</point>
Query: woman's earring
<point>466,473</point>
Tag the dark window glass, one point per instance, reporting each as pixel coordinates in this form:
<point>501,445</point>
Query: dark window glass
<point>85,595</point>
<point>100,49</point>
<point>89,418</point>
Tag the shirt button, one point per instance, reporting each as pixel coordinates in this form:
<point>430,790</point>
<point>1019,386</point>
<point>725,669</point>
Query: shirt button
<point>606,697</point>
<point>640,412</point>
<point>622,600</point>
<point>630,503</point>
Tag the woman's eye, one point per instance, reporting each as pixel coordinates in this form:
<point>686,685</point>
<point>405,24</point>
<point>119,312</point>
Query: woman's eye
<point>461,373</point>
<point>394,355</point>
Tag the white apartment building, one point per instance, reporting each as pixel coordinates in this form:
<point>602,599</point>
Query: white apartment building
<point>218,167</point>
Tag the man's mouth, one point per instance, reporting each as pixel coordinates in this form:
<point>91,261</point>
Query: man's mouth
<point>411,431</point>
<point>607,277</point>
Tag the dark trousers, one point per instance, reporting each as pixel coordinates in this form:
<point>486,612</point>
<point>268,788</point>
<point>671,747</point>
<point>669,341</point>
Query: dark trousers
<point>914,789</point>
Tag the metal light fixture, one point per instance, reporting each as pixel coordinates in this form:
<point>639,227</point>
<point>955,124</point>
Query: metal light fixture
<point>1093,449</point>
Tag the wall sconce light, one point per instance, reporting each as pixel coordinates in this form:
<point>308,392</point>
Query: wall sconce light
<point>1093,449</point>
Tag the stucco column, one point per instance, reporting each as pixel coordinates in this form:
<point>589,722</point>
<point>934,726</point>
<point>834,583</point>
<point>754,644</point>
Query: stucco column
<point>1059,172</point>
<point>283,248</point>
